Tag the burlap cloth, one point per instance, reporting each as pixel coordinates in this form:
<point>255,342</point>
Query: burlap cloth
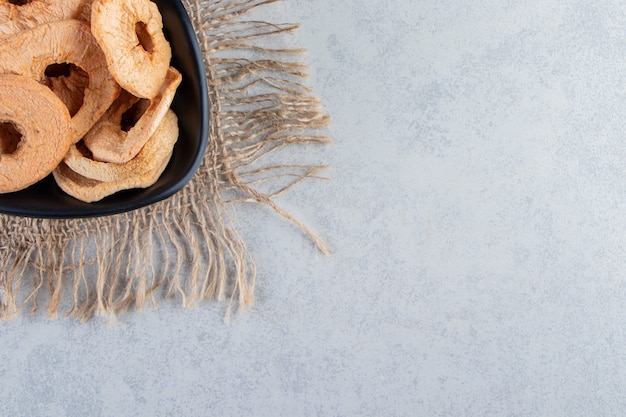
<point>185,247</point>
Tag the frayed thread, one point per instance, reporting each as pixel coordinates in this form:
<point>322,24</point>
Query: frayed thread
<point>186,247</point>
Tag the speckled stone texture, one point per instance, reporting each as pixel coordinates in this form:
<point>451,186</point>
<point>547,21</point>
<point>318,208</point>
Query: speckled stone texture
<point>477,214</point>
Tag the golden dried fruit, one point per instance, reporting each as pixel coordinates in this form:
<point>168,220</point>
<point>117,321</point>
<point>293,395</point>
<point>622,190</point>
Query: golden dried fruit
<point>18,16</point>
<point>130,33</point>
<point>111,140</point>
<point>34,133</point>
<point>156,149</point>
<point>80,49</point>
<point>88,190</point>
<point>31,52</point>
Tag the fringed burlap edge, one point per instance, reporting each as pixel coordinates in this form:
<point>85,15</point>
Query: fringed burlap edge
<point>185,247</point>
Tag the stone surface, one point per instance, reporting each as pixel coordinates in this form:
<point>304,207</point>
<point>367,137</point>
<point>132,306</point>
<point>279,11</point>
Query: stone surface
<point>476,213</point>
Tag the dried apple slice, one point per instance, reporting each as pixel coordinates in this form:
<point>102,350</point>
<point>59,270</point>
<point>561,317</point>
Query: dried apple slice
<point>18,16</point>
<point>34,132</point>
<point>31,52</point>
<point>130,33</point>
<point>111,141</point>
<point>156,149</point>
<point>89,191</point>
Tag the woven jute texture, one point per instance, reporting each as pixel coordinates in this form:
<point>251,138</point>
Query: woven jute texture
<point>185,248</point>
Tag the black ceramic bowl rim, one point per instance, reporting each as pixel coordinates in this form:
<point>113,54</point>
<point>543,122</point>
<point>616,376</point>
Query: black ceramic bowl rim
<point>46,200</point>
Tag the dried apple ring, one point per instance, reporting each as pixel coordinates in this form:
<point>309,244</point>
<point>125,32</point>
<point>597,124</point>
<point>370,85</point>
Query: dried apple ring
<point>130,32</point>
<point>156,149</point>
<point>110,141</point>
<point>34,132</point>
<point>31,52</point>
<point>89,190</point>
<point>17,16</point>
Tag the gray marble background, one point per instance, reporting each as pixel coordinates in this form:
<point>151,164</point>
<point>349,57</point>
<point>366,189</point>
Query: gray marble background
<point>477,216</point>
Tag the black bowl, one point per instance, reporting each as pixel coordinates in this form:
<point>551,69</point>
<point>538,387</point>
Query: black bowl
<point>45,199</point>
